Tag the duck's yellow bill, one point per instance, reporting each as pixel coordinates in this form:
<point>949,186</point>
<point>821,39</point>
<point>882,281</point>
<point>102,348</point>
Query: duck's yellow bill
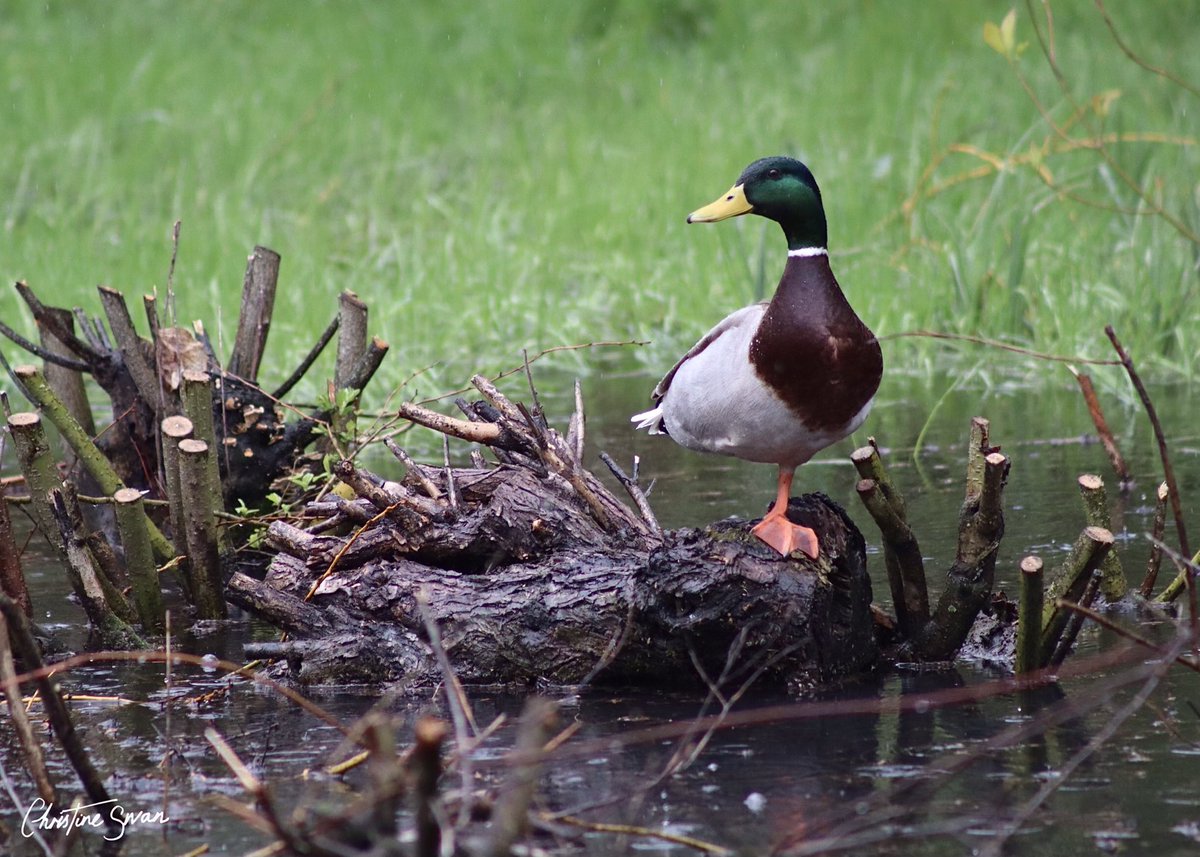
<point>729,205</point>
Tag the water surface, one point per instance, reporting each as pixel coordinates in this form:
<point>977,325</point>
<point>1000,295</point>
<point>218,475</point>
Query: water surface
<point>871,776</point>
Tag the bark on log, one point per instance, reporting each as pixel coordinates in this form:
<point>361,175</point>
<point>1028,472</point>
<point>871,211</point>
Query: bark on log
<point>535,572</point>
<point>521,606</point>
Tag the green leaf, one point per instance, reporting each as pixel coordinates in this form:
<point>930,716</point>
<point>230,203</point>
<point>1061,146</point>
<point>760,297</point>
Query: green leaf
<point>1008,32</point>
<point>992,37</point>
<point>1003,38</point>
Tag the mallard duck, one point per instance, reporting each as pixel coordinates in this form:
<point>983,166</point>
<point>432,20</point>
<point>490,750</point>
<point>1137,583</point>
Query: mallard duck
<point>777,381</point>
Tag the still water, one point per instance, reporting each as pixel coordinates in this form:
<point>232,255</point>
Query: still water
<point>921,779</point>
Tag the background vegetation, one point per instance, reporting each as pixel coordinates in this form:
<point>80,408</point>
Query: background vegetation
<point>492,176</point>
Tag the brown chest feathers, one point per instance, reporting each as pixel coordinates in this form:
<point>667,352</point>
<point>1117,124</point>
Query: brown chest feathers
<point>813,350</point>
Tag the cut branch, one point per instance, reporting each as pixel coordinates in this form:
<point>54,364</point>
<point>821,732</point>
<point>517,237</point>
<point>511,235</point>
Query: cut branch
<point>1068,584</point>
<point>1154,561</point>
<point>93,460</point>
<point>310,358</point>
<point>1106,436</point>
<point>133,348</point>
<point>489,434</point>
<point>254,320</point>
<point>902,558</point>
<point>1095,504</point>
<point>1029,617</point>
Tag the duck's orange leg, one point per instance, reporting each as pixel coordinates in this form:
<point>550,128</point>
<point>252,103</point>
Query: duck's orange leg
<point>777,531</point>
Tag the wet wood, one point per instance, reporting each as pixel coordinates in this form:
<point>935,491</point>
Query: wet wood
<point>35,759</point>
<point>254,319</point>
<point>425,768</point>
<point>26,647</point>
<point>901,553</point>
<point>12,578</point>
<point>1068,583</point>
<point>108,613</point>
<point>1154,561</point>
<point>256,441</point>
<point>139,558</point>
<point>536,591</point>
<point>533,571</point>
<point>37,464</point>
<point>969,581</point>
<point>1075,619</point>
<point>67,383</point>
<point>1029,617</point>
<point>1113,584</point>
<point>200,529</point>
<point>248,442</point>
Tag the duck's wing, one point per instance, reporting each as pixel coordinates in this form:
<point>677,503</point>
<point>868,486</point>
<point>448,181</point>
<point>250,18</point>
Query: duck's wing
<point>746,315</point>
<point>652,419</point>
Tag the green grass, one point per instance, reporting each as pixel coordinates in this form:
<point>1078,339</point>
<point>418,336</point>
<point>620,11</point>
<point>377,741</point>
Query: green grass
<point>493,176</point>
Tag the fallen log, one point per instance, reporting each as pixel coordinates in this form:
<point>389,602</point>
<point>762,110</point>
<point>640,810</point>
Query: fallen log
<point>702,602</point>
<point>535,572</point>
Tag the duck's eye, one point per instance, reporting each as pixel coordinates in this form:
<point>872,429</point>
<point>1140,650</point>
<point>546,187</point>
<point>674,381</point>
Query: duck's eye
<point>773,174</point>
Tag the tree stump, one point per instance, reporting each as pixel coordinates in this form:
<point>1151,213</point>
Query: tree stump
<point>534,572</point>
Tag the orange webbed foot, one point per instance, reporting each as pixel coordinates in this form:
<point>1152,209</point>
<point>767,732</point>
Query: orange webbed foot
<point>785,537</point>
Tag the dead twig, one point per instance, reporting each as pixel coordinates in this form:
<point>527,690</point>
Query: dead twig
<point>1003,346</point>
<point>34,758</point>
<point>485,433</point>
<point>1154,561</point>
<point>1075,623</point>
<point>44,353</point>
<point>451,491</point>
<point>417,471</point>
<point>1159,436</point>
<point>465,728</point>
<point>1106,436</point>
<point>59,716</point>
<point>576,428</point>
<point>1136,59</point>
<point>311,357</point>
<point>1128,634</point>
<point>543,353</point>
<point>258,790</point>
<point>631,486</point>
<point>642,832</point>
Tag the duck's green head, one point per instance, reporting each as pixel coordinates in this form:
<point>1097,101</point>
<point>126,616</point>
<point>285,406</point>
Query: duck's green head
<point>781,189</point>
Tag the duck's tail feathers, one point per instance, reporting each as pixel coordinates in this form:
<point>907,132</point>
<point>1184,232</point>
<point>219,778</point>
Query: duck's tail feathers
<point>652,420</point>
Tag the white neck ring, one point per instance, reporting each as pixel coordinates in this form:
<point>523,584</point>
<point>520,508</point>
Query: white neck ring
<point>805,252</point>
